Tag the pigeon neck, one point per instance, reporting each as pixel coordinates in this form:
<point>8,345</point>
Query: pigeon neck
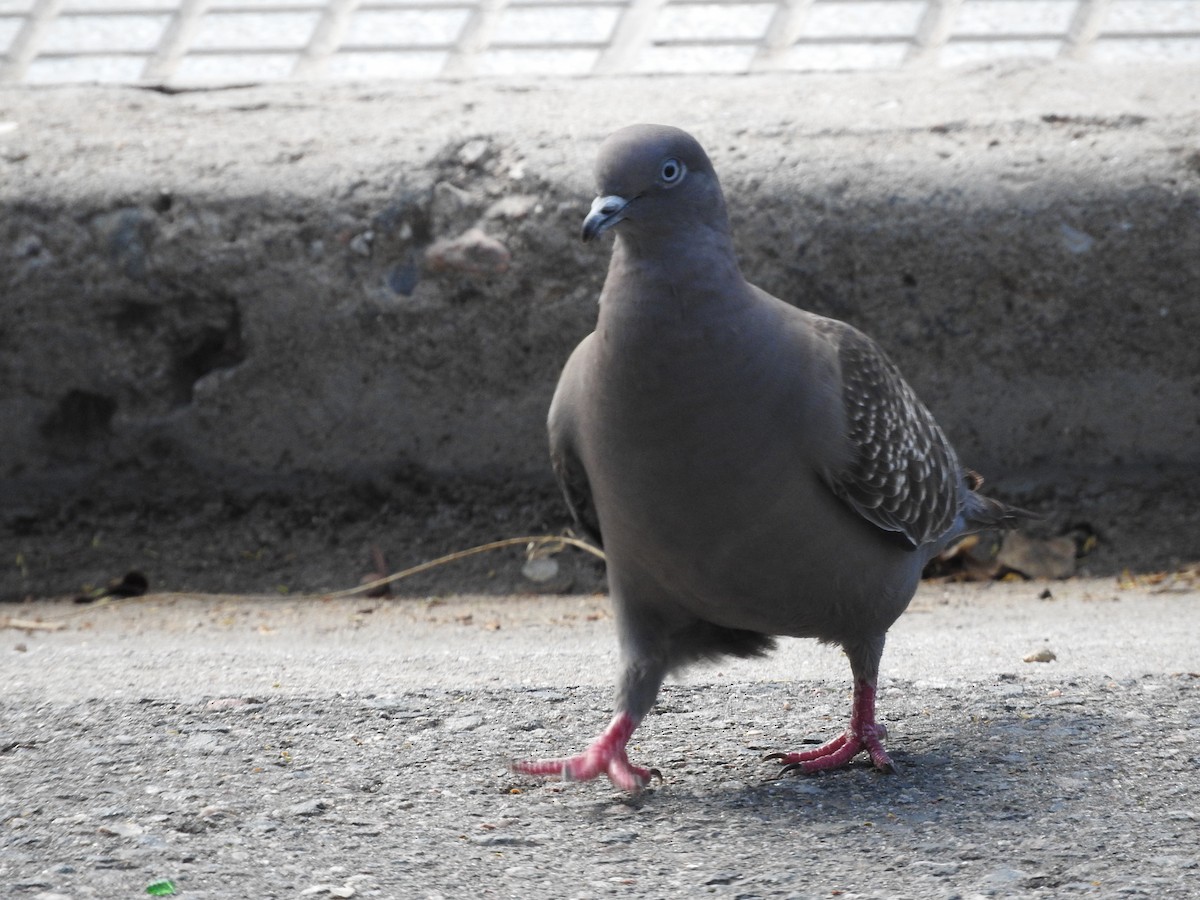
<point>675,279</point>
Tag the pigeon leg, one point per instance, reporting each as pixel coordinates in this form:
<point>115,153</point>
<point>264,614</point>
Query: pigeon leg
<point>645,663</point>
<point>863,734</point>
<point>606,755</point>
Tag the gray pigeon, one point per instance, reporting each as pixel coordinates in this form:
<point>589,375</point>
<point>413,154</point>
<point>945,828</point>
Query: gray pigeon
<point>749,468</point>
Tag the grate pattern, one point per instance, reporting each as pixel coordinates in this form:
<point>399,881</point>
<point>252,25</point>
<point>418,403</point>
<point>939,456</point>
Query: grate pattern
<point>212,42</point>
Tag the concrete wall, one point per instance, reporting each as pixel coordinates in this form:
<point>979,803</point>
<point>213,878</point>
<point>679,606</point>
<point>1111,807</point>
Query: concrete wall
<point>237,286</point>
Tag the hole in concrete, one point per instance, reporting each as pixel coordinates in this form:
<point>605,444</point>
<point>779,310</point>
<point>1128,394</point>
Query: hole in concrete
<point>134,314</point>
<point>80,417</point>
<point>213,348</point>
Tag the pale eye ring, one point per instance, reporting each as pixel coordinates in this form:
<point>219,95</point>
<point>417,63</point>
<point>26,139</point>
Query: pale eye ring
<point>672,171</point>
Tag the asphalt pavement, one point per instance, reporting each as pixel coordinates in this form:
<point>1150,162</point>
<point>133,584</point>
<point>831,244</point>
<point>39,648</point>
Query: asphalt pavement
<point>270,747</point>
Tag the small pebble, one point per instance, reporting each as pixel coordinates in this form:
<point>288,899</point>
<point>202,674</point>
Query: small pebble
<point>472,153</point>
<point>514,206</point>
<point>471,253</point>
<point>308,808</point>
<point>540,569</point>
<point>122,829</point>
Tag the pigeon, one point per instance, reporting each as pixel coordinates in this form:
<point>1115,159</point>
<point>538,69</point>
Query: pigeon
<point>750,469</point>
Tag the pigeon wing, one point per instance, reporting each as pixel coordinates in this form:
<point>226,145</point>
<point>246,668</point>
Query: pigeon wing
<point>902,475</point>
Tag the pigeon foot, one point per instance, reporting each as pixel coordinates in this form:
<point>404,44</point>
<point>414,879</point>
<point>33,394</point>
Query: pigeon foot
<point>839,752</point>
<point>605,756</point>
<point>863,735</point>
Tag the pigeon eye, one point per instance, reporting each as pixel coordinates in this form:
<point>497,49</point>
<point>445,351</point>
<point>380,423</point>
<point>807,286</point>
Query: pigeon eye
<point>672,172</point>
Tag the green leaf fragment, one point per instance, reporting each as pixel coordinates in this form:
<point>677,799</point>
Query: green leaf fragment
<point>164,888</point>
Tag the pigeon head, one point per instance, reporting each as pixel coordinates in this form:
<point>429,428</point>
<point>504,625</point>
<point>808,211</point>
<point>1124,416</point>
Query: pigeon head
<point>652,180</point>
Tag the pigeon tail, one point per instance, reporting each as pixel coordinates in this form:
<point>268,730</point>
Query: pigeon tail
<point>982,513</point>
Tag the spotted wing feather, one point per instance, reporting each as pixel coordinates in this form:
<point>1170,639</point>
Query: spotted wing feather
<point>902,475</point>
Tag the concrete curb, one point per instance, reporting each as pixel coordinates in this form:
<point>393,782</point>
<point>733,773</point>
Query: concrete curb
<point>234,287</point>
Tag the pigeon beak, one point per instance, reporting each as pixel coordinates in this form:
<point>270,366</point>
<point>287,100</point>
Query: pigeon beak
<point>605,213</point>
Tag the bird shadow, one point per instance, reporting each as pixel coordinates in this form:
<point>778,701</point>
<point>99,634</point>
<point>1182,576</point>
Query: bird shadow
<point>1000,770</point>
<point>963,756</point>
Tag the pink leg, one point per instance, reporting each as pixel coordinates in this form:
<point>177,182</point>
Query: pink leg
<point>606,755</point>
<point>864,733</point>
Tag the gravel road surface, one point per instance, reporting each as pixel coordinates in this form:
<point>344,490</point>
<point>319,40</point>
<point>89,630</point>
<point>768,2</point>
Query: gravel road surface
<point>282,747</point>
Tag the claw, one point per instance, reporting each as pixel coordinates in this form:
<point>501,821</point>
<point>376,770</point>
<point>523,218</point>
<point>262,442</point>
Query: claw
<point>888,767</point>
